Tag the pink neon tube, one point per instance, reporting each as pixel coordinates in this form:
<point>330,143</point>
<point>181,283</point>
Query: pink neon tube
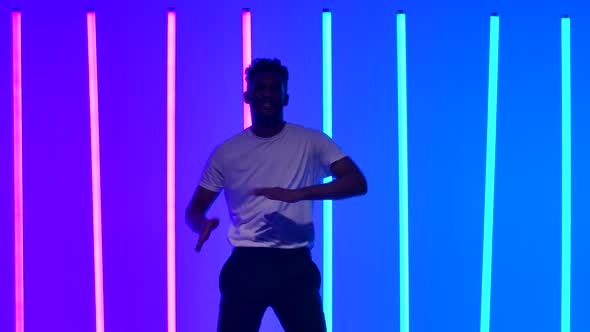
<point>95,157</point>
<point>170,171</point>
<point>17,109</point>
<point>246,57</point>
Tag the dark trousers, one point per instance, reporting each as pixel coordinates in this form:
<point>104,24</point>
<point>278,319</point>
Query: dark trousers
<point>287,280</point>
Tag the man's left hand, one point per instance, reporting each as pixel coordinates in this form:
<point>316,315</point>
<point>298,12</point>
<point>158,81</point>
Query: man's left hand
<point>279,194</point>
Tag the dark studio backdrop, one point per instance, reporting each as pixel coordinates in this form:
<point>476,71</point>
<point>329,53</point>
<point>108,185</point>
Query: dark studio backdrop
<point>447,111</point>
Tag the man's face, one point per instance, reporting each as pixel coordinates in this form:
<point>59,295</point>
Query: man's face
<point>267,95</point>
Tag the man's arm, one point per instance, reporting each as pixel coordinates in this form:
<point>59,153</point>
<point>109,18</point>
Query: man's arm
<point>349,181</point>
<point>200,203</point>
<point>195,214</point>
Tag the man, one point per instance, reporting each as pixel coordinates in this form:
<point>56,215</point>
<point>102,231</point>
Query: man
<point>271,173</point>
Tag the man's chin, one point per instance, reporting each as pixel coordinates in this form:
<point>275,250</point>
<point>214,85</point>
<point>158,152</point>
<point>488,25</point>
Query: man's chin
<point>268,113</point>
<point>268,117</point>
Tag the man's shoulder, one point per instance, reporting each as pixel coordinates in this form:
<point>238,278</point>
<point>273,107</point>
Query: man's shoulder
<point>229,143</point>
<point>303,130</point>
<point>237,138</point>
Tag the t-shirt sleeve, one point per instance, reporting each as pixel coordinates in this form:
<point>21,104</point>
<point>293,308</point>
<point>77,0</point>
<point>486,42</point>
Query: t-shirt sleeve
<point>212,176</point>
<point>327,152</point>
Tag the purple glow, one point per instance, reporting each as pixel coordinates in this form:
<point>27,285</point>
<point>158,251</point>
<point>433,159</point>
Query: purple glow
<point>170,171</point>
<point>246,57</point>
<point>17,109</point>
<point>95,152</point>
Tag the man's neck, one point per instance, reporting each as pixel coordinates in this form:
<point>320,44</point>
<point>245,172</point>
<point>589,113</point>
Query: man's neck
<point>268,130</point>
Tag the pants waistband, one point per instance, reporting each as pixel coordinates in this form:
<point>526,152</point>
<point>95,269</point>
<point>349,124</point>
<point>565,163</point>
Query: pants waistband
<point>305,251</point>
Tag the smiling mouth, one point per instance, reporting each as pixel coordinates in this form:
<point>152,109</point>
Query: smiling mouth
<point>267,106</point>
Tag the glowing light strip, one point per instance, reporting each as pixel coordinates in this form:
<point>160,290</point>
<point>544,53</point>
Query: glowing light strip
<point>402,99</point>
<point>95,152</point>
<point>17,118</point>
<point>327,128</point>
<point>170,171</point>
<point>486,280</point>
<point>566,175</point>
<point>246,57</point>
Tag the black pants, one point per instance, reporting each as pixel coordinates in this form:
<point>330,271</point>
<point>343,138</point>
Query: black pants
<point>287,280</point>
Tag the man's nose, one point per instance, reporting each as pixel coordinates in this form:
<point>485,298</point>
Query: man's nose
<point>267,93</point>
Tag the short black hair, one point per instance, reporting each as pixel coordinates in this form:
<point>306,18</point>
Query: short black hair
<point>267,66</point>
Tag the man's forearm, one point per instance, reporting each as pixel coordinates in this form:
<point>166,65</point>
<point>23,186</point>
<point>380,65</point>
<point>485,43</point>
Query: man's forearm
<point>344,187</point>
<point>194,218</point>
<point>193,212</point>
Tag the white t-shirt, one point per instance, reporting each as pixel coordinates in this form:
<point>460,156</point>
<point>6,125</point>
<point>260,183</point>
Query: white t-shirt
<point>294,158</point>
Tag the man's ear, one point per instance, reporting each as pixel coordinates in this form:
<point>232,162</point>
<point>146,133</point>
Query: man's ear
<point>247,97</point>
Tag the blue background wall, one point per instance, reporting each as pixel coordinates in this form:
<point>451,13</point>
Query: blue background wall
<point>447,86</point>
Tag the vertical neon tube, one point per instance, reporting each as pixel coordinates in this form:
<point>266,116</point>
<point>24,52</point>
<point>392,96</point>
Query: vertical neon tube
<point>17,118</point>
<point>246,57</point>
<point>486,280</point>
<point>402,100</point>
<point>327,128</point>
<point>566,175</point>
<point>170,170</point>
<point>95,157</point>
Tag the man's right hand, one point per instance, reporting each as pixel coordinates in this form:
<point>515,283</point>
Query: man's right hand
<point>195,214</point>
<point>206,226</point>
